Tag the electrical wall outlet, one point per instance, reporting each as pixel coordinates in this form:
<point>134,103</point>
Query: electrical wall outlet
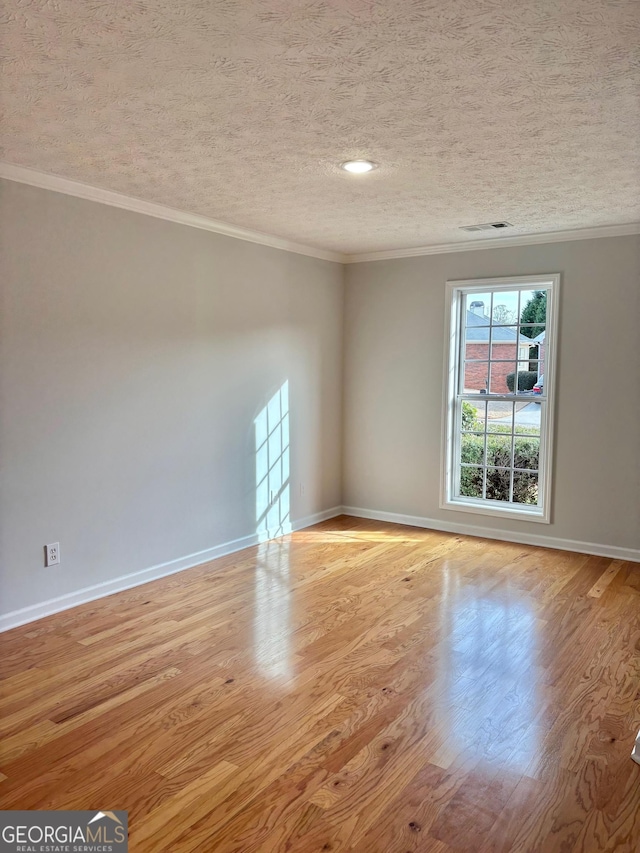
<point>301,490</point>
<point>52,554</point>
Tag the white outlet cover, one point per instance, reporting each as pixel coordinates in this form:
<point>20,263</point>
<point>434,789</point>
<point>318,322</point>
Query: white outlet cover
<point>52,554</point>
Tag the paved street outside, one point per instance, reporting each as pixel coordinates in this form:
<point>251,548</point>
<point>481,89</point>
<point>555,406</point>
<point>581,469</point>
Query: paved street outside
<point>527,414</point>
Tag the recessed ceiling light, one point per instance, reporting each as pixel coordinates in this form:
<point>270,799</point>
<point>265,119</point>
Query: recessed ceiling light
<point>358,167</point>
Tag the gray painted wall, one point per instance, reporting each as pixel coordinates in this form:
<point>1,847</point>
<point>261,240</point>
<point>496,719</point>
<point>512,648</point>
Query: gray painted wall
<point>394,344</point>
<point>135,355</point>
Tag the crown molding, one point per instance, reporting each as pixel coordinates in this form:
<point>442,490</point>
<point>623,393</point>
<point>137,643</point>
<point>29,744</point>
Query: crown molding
<point>55,183</point>
<point>46,181</point>
<point>498,243</point>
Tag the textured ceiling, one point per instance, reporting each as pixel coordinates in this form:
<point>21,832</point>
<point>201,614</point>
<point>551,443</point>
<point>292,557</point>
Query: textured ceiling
<point>240,110</point>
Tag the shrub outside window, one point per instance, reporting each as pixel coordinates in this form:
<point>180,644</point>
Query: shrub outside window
<point>499,394</point>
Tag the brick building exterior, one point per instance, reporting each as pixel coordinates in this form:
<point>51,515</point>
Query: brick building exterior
<point>507,346</point>
<point>476,376</point>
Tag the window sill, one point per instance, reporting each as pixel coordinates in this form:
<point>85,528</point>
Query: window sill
<point>509,511</point>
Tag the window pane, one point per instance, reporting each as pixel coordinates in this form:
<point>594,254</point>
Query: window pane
<point>499,372</point>
<point>504,343</point>
<point>527,378</point>
<point>527,418</point>
<point>477,307</point>
<point>527,336</point>
<point>473,415</point>
<point>533,310</point>
<point>530,366</point>
<point>498,484</point>
<point>471,449</point>
<point>525,487</point>
<point>527,453</point>
<point>499,450</point>
<point>505,307</point>
<point>538,389</point>
<point>476,347</point>
<point>471,482</point>
<point>476,376</point>
<point>500,417</point>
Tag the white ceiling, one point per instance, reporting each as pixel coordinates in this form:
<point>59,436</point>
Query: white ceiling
<point>241,110</point>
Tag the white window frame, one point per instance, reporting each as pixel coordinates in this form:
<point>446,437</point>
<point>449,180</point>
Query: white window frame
<point>452,398</point>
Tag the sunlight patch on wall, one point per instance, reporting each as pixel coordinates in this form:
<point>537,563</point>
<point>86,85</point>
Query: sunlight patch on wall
<point>273,508</point>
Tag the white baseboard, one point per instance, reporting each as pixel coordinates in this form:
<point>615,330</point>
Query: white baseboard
<point>92,593</point>
<point>613,551</point>
<point>124,582</point>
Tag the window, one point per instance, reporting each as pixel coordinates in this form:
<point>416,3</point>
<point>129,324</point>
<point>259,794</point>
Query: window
<point>499,384</point>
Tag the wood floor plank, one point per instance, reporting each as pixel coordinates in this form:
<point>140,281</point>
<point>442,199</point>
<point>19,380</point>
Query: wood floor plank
<point>605,579</point>
<point>163,825</point>
<point>467,820</point>
<point>356,686</point>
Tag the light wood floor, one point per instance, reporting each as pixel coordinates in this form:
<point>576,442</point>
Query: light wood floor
<point>353,687</point>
